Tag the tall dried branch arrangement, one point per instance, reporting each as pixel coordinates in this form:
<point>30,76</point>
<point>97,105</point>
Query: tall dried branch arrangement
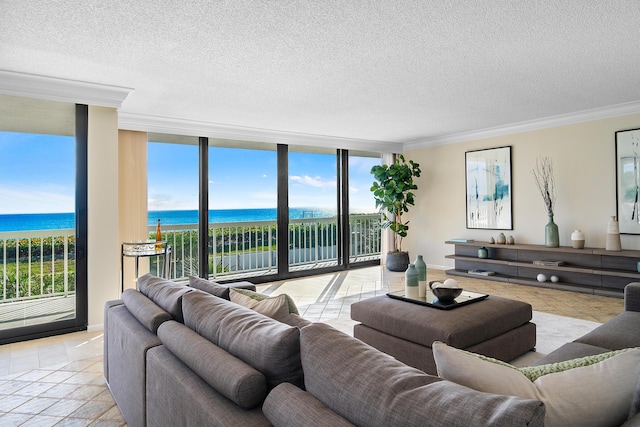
<point>543,173</point>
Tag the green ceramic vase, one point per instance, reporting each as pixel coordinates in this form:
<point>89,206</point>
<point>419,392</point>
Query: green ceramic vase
<point>551,236</point>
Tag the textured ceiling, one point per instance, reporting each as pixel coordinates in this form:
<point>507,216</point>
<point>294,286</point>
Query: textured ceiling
<point>394,71</point>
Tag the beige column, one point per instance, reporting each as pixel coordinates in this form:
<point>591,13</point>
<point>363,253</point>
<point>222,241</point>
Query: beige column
<point>132,197</point>
<point>102,186</point>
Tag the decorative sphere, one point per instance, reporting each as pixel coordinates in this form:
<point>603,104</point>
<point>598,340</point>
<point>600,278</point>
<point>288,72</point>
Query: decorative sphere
<point>541,278</point>
<point>555,279</point>
<point>450,283</point>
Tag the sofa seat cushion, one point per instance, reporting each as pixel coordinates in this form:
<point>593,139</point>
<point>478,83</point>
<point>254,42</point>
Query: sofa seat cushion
<point>218,289</point>
<point>146,311</point>
<point>165,293</point>
<point>620,332</point>
<point>592,394</point>
<point>230,376</point>
<point>368,387</point>
<point>271,347</point>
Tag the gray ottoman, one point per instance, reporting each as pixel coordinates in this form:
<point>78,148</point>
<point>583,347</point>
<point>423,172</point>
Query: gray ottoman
<point>496,327</point>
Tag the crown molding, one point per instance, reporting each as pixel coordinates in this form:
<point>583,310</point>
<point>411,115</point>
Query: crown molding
<point>156,124</point>
<point>64,90</point>
<point>530,125</point>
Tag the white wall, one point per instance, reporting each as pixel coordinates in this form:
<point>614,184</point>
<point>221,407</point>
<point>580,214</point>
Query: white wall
<point>584,166</point>
<point>103,246</point>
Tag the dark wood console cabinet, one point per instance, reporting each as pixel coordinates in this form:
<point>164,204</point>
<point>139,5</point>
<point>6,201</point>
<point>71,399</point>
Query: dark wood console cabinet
<point>588,270</point>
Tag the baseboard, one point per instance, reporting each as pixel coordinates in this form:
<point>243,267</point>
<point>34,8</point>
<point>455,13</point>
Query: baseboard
<point>95,328</point>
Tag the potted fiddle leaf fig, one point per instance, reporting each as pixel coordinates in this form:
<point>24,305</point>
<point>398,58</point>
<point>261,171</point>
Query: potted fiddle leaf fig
<point>392,190</point>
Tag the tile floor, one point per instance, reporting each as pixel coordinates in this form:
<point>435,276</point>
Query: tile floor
<point>58,380</point>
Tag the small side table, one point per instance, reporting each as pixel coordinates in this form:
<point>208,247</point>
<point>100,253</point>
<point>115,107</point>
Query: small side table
<point>139,250</point>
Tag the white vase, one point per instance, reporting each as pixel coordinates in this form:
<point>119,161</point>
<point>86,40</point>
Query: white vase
<point>613,236</point>
<point>577,239</point>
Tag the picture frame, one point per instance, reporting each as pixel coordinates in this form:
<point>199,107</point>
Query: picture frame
<point>488,189</point>
<point>628,180</point>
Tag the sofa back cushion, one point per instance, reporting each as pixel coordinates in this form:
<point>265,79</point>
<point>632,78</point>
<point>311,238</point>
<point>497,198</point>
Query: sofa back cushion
<point>165,293</point>
<point>271,347</point>
<point>228,375</point>
<point>146,311</point>
<point>368,387</point>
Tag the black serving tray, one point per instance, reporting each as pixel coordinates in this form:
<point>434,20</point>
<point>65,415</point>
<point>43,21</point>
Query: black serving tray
<point>465,298</point>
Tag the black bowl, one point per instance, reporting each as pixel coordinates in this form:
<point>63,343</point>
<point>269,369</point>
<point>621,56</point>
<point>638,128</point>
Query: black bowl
<point>446,294</point>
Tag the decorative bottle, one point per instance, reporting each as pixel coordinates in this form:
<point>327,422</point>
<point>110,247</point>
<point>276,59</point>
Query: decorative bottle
<point>411,283</point>
<point>551,236</point>
<point>421,267</point>
<point>613,236</point>
<point>158,237</point>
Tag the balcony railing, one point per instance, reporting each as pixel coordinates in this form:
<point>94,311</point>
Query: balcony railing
<point>248,248</point>
<point>39,264</point>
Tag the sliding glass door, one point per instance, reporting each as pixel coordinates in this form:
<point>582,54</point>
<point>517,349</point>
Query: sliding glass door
<point>42,284</point>
<point>313,208</point>
<point>242,182</point>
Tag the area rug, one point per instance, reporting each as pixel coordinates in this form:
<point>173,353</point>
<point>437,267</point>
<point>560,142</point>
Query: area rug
<point>552,331</point>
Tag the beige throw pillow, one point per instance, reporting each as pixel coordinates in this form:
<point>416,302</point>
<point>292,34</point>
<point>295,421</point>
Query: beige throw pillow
<point>275,307</point>
<point>596,395</point>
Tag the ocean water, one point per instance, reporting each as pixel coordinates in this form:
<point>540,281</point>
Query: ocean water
<point>55,221</point>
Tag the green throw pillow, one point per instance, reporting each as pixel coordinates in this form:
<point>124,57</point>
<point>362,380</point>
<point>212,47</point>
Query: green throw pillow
<point>260,297</point>
<point>535,372</point>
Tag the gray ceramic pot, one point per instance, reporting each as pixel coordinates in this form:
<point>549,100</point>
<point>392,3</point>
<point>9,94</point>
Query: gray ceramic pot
<point>397,261</point>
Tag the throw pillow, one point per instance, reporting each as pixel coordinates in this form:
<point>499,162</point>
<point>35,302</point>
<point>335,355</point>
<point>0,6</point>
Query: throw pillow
<point>273,307</point>
<point>259,297</point>
<point>599,394</point>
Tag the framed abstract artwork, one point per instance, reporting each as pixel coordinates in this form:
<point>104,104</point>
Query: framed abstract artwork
<point>628,180</point>
<point>488,181</point>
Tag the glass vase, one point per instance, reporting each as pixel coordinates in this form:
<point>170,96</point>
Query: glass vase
<point>551,236</point>
<point>421,267</point>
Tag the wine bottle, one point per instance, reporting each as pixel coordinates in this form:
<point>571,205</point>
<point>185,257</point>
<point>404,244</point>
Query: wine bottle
<point>158,237</point>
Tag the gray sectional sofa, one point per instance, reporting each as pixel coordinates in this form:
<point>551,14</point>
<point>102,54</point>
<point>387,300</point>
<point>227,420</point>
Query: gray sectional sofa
<point>186,355</point>
<point>623,331</point>
<point>177,355</point>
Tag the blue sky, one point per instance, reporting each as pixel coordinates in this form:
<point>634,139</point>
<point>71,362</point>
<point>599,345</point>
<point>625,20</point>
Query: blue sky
<point>244,178</point>
<point>37,173</point>
<point>37,176</point>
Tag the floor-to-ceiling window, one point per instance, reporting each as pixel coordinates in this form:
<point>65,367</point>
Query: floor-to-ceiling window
<point>242,182</point>
<point>364,218</point>
<point>173,197</point>
<point>313,207</point>
<point>42,187</point>
<point>268,210</point>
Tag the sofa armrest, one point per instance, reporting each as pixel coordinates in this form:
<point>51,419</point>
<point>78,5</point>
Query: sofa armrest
<point>288,405</point>
<point>632,297</point>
